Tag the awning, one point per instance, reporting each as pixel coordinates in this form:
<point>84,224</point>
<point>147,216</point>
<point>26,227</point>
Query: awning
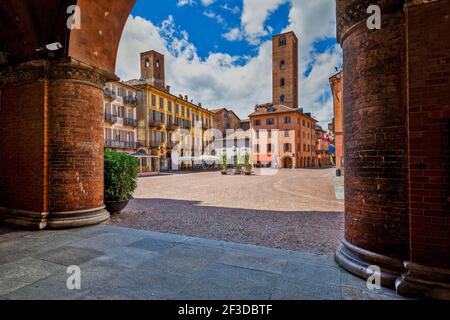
<point>142,155</point>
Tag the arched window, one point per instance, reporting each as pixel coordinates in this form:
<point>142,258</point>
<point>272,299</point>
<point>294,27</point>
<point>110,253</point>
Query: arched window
<point>283,42</point>
<point>282,82</point>
<point>147,63</point>
<point>157,64</point>
<point>282,98</point>
<point>282,64</point>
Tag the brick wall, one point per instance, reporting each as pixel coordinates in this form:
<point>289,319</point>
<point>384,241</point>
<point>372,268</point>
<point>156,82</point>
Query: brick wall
<point>428,38</point>
<point>224,116</point>
<point>76,146</point>
<point>375,138</point>
<point>289,54</point>
<point>22,162</point>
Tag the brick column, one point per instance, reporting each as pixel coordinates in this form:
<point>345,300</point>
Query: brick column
<point>55,172</point>
<point>376,210</point>
<point>427,26</point>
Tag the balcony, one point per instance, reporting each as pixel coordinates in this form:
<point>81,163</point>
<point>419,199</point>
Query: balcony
<point>155,124</point>
<point>110,118</point>
<point>205,126</point>
<point>130,100</point>
<point>108,94</point>
<point>155,144</point>
<point>130,122</point>
<point>172,126</point>
<point>113,144</point>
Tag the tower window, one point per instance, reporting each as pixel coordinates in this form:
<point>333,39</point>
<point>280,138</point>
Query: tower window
<point>157,64</point>
<point>147,63</point>
<point>283,42</point>
<point>282,98</point>
<point>282,82</point>
<point>282,64</point>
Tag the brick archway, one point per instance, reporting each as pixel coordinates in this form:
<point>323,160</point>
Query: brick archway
<point>51,139</point>
<point>287,162</point>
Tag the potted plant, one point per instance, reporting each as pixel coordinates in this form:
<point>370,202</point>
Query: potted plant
<point>235,164</point>
<point>247,165</point>
<point>120,180</point>
<point>224,163</point>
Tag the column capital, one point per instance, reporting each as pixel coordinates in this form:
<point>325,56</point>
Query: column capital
<point>62,69</point>
<point>351,12</point>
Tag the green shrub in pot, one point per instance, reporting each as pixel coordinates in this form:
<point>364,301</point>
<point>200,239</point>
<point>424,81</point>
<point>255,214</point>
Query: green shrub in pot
<point>120,174</point>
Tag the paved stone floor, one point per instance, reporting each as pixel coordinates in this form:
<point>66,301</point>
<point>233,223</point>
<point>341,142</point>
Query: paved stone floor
<point>292,209</point>
<point>122,263</point>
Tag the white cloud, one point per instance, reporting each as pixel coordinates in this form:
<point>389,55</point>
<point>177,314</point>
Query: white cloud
<point>233,10</point>
<point>208,2</point>
<point>215,16</point>
<point>205,3</point>
<point>254,16</point>
<point>218,80</point>
<point>233,34</point>
<point>182,3</point>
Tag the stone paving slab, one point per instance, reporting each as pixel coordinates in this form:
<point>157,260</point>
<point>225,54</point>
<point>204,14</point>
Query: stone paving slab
<point>288,289</point>
<point>68,256</point>
<point>153,245</point>
<point>24,272</point>
<point>184,260</point>
<point>105,241</point>
<point>254,261</point>
<point>121,264</point>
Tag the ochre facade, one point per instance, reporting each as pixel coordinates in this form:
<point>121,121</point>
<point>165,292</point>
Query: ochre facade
<point>336,83</point>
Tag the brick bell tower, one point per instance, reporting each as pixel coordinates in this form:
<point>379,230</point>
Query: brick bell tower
<point>152,69</point>
<point>285,69</point>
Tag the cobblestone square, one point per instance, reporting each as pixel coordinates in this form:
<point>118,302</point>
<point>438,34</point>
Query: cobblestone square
<point>292,209</point>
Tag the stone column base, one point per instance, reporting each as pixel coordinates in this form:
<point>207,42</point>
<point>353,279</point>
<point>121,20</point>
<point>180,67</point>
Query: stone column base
<point>356,261</point>
<point>75,219</point>
<point>53,220</point>
<point>424,282</point>
<point>26,219</point>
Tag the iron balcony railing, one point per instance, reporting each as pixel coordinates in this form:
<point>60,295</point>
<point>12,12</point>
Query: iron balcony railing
<point>155,124</point>
<point>111,118</point>
<point>156,144</point>
<point>109,94</point>
<point>173,126</point>
<point>121,144</point>
<point>130,122</point>
<point>130,100</point>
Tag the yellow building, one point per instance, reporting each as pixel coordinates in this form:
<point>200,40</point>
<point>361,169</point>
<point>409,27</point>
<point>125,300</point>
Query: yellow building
<point>165,119</point>
<point>120,109</point>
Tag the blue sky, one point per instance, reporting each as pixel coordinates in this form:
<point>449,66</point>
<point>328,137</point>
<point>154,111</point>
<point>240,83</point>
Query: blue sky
<point>203,27</point>
<point>219,53</point>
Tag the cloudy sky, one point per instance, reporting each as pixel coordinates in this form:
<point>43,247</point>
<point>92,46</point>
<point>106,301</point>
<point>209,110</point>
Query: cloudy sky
<point>219,51</point>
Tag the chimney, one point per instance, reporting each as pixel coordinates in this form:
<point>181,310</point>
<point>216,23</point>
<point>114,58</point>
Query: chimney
<point>168,89</point>
<point>186,98</point>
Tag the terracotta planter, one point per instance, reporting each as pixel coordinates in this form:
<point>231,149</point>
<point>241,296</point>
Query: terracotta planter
<point>224,173</point>
<point>116,207</point>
